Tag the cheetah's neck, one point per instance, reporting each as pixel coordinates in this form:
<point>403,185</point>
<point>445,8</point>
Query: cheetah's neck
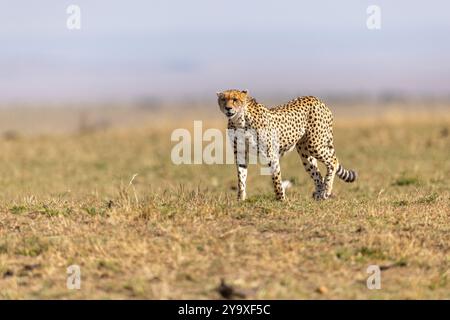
<point>254,111</point>
<point>253,115</point>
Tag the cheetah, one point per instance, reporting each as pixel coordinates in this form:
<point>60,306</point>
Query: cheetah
<point>304,123</point>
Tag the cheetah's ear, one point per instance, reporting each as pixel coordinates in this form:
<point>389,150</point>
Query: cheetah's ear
<point>244,91</point>
<point>219,94</point>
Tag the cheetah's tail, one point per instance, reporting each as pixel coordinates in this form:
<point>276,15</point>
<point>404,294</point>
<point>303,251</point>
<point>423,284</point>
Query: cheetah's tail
<point>346,175</point>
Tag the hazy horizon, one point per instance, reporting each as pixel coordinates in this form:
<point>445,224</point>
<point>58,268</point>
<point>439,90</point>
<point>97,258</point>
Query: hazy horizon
<point>168,50</point>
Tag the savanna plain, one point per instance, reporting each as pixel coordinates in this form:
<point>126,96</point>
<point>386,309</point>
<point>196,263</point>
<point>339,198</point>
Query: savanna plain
<point>98,189</point>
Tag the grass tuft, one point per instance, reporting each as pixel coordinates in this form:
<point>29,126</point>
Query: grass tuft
<point>406,181</point>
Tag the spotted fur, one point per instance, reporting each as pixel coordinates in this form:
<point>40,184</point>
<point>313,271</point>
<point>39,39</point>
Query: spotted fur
<point>304,123</point>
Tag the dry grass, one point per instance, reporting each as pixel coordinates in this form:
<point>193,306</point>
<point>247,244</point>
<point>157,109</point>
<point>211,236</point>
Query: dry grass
<point>177,230</point>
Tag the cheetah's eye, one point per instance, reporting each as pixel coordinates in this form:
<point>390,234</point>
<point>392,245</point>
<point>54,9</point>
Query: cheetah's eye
<point>235,100</point>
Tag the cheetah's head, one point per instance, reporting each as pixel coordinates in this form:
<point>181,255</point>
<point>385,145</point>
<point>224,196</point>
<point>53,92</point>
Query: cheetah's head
<point>232,102</point>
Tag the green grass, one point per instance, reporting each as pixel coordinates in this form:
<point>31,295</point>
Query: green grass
<point>406,181</point>
<point>175,231</point>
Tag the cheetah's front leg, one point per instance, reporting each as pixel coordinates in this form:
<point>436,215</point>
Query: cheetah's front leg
<point>242,178</point>
<point>276,179</point>
<point>241,159</point>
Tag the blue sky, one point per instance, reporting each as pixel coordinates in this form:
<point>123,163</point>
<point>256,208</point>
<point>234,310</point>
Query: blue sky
<point>173,49</point>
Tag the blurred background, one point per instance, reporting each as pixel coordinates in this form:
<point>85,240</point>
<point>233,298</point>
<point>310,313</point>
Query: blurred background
<point>166,54</point>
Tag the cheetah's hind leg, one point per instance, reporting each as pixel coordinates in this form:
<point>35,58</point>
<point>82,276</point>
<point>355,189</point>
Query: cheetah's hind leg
<point>310,164</point>
<point>328,158</point>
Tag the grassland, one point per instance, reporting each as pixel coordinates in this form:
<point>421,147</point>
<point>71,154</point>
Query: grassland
<point>175,231</point>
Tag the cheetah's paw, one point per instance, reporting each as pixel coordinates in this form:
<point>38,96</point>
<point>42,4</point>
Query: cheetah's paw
<point>320,195</point>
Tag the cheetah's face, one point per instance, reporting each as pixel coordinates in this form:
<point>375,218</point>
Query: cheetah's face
<point>232,102</point>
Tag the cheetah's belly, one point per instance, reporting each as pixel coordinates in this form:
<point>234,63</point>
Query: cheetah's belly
<point>290,148</point>
<point>290,140</point>
<point>286,149</point>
